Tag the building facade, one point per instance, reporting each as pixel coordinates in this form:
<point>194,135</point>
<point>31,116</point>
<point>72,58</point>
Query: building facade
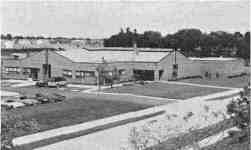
<point>80,65</point>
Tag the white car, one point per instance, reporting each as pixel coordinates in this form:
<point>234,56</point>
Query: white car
<point>12,104</point>
<point>56,82</point>
<point>29,101</point>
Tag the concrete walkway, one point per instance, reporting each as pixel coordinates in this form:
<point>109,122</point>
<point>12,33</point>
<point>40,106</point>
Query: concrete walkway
<point>135,95</point>
<point>80,127</point>
<point>118,136</point>
<point>8,93</point>
<point>20,83</point>
<point>195,84</point>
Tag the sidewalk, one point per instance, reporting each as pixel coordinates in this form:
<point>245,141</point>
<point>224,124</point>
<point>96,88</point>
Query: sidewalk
<point>195,84</point>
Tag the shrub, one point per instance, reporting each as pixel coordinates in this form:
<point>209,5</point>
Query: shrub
<point>239,110</point>
<point>13,126</point>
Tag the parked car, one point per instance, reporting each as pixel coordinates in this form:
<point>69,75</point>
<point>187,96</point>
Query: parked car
<point>29,102</point>
<point>57,97</point>
<point>41,84</point>
<point>57,82</point>
<point>42,98</point>
<point>12,103</point>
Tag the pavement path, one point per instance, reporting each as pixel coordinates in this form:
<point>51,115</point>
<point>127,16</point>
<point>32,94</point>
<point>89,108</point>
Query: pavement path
<point>8,93</point>
<point>195,84</point>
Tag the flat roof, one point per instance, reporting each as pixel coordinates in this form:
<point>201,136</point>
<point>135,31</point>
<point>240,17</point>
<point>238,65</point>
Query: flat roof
<point>130,49</point>
<point>84,55</point>
<point>212,58</point>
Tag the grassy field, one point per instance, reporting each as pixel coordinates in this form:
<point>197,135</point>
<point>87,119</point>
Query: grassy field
<point>237,82</point>
<point>164,90</point>
<point>77,108</point>
<point>32,90</point>
<point>71,111</point>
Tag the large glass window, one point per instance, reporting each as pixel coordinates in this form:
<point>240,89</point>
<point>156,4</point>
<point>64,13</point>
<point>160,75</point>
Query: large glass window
<point>84,74</point>
<point>12,69</point>
<point>67,73</point>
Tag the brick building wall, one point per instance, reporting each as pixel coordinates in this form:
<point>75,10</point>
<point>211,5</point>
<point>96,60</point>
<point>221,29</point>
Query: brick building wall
<point>61,65</point>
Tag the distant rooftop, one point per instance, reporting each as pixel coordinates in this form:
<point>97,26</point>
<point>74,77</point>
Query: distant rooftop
<point>96,56</point>
<point>130,49</point>
<point>212,58</point>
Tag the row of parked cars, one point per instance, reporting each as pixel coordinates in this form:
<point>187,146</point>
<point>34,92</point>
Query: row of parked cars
<point>21,101</point>
<point>53,82</point>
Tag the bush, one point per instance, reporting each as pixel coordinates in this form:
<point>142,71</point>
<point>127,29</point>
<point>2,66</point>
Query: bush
<point>237,75</point>
<point>239,110</point>
<point>13,126</point>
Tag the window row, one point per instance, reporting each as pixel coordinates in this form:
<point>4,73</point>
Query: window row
<point>79,74</point>
<point>12,69</point>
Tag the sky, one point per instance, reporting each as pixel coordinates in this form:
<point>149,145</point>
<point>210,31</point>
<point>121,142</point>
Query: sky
<point>103,19</point>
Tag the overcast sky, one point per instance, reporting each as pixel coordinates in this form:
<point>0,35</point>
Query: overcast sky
<point>102,19</point>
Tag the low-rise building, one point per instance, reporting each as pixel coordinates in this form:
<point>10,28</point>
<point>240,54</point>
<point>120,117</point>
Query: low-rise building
<point>80,65</point>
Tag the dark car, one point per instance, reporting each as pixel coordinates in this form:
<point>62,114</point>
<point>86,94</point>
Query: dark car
<point>57,82</point>
<point>52,82</point>
<point>57,97</point>
<point>41,84</point>
<point>42,98</point>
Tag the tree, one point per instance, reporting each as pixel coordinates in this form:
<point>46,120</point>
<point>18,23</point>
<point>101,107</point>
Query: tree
<point>244,47</point>
<point>152,39</point>
<point>8,36</point>
<point>188,40</point>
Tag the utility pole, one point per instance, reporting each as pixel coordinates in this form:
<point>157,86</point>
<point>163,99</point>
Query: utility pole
<point>45,66</point>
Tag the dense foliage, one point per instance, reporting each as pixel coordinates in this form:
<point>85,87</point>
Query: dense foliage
<point>192,42</point>
<point>13,126</point>
<point>239,109</point>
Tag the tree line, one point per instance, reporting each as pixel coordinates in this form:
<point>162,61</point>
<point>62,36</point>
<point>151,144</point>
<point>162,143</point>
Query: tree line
<point>9,36</point>
<point>191,42</point>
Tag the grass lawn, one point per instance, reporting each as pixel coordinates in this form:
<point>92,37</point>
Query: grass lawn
<point>32,90</point>
<point>164,90</point>
<point>77,108</point>
<point>69,112</point>
<point>238,82</point>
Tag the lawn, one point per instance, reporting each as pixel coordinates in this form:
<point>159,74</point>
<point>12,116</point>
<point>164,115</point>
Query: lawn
<point>69,112</point>
<point>77,108</point>
<point>32,90</point>
<point>238,82</point>
<point>164,90</point>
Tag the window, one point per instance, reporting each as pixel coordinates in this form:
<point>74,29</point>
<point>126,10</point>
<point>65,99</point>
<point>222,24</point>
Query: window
<point>67,73</point>
<point>27,71</point>
<point>12,69</point>
<point>122,71</point>
<point>84,74</point>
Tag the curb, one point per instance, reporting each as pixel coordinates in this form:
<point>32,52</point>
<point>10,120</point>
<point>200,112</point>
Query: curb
<point>64,133</point>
